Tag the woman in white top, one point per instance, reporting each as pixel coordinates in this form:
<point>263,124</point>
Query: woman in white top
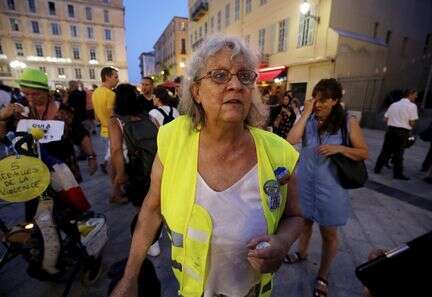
<point>230,174</point>
<point>163,113</point>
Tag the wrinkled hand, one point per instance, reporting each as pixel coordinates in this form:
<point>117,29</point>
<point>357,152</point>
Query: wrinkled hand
<point>267,259</point>
<point>125,288</point>
<point>92,164</point>
<point>330,149</point>
<point>309,106</point>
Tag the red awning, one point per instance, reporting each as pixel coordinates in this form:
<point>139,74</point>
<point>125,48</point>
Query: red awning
<point>269,74</point>
<point>167,84</point>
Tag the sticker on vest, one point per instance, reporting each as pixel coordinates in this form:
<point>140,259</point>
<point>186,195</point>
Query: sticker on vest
<point>282,175</point>
<point>271,188</point>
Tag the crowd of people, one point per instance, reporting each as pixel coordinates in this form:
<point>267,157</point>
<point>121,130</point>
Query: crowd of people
<point>199,168</point>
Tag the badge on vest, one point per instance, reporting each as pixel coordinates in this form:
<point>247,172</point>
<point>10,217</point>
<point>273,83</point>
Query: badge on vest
<point>281,173</point>
<point>271,188</point>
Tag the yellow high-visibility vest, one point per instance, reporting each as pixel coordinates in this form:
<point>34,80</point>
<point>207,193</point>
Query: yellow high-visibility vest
<point>190,225</point>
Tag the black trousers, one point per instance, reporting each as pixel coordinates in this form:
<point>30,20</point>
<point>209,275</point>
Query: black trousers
<point>427,163</point>
<point>394,146</point>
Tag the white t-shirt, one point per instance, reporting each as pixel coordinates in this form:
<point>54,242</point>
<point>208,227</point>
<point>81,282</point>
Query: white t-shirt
<point>157,115</point>
<point>400,113</point>
<point>237,217</point>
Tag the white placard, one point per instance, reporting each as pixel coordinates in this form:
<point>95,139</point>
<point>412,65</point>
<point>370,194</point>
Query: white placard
<point>53,129</point>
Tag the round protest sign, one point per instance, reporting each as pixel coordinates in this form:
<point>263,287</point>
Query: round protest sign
<point>22,178</point>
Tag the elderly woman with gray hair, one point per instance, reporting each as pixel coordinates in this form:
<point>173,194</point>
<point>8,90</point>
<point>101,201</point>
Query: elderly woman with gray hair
<point>225,188</point>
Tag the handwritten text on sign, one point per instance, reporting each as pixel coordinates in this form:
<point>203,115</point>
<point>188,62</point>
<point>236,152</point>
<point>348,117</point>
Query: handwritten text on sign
<point>53,129</point>
<point>23,178</point>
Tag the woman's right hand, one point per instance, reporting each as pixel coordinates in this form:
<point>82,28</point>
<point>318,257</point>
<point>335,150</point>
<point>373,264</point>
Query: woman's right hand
<point>125,288</point>
<point>309,106</point>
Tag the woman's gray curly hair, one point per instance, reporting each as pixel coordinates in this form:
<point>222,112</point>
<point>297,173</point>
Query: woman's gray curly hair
<point>197,64</point>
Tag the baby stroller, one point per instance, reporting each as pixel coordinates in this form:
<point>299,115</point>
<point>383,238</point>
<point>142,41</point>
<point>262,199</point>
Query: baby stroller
<point>60,237</point>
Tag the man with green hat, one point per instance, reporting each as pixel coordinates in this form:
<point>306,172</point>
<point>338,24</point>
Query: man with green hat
<point>34,85</point>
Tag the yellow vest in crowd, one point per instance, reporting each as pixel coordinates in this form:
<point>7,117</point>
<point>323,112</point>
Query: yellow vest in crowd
<point>190,225</point>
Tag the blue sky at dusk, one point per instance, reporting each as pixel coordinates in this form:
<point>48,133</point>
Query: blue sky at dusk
<point>145,22</point>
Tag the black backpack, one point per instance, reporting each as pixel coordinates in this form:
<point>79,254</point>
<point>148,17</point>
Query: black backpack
<point>140,139</point>
<point>167,117</point>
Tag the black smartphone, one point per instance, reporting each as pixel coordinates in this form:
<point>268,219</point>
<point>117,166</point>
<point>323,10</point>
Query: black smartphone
<point>403,271</point>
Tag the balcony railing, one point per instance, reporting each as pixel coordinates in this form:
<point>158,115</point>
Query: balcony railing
<point>198,10</point>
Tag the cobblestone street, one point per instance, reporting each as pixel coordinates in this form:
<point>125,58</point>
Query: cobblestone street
<point>385,213</point>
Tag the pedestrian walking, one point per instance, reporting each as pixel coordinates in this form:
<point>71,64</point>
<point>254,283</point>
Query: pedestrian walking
<point>163,113</point>
<point>103,99</point>
<point>146,97</point>
<point>214,168</point>
<point>400,119</point>
<point>322,198</point>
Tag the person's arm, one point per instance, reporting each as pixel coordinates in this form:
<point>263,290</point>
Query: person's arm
<point>116,148</point>
<point>296,133</point>
<point>358,151</point>
<point>290,226</point>
<point>147,226</point>
<point>87,147</point>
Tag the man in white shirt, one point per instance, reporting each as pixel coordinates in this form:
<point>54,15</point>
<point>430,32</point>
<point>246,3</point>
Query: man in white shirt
<point>400,118</point>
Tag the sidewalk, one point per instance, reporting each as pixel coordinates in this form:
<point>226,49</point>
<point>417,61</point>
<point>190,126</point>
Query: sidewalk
<point>378,221</point>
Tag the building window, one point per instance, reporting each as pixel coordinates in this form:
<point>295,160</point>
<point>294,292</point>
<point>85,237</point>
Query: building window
<point>90,34</point>
<point>404,46</point>
<point>262,2</point>
<point>51,8</point>
<point>31,6</point>
<point>19,49</point>
<point>183,46</point>
<point>35,27</point>
<point>10,4</point>
<point>14,24</point>
<point>200,32</point>
<point>88,13</point>
<point>283,31</point>
<point>107,34</point>
<point>306,30</point>
<point>227,14</point>
<point>261,40</point>
<point>78,73</point>
<point>71,11</point>
<point>236,10</point>
<point>1,49</point>
<point>375,32</point>
<point>76,53</point>
<point>73,31</point>
<point>55,29</point>
<point>247,39</point>
<point>183,26</point>
<point>248,6</point>
<point>388,37</point>
<point>205,29</point>
<point>212,24</point>
<point>106,16</point>
<point>428,43</point>
<point>60,71</point>
<point>58,51</point>
<point>92,54</point>
<point>219,20</point>
<point>109,55</point>
<point>92,73</point>
<point>43,69</point>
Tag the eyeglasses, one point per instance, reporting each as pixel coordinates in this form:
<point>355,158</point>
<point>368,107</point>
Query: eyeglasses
<point>222,76</point>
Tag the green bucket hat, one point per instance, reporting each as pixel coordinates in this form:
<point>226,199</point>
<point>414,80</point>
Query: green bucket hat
<point>33,78</point>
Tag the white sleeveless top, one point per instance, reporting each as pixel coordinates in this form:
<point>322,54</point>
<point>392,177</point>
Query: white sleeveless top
<point>237,217</point>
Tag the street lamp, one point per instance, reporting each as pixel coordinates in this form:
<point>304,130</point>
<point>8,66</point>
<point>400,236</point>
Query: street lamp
<point>305,9</point>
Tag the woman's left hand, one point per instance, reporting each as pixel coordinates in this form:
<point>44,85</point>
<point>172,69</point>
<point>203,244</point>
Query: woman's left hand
<point>92,164</point>
<point>267,259</point>
<point>330,149</point>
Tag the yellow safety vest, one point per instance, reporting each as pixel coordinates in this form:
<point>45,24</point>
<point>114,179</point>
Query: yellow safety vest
<point>190,225</point>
